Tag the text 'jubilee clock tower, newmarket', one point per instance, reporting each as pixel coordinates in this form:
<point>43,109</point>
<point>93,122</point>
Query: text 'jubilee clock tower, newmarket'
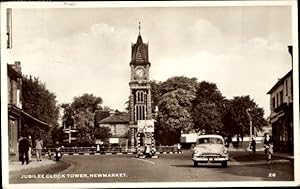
<point>140,94</point>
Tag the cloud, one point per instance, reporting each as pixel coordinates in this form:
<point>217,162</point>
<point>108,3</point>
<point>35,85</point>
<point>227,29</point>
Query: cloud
<point>93,62</point>
<point>251,68</point>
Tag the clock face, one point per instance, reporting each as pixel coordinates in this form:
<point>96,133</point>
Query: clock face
<point>140,73</point>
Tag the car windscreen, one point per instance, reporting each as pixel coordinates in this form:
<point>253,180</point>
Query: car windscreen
<point>209,141</point>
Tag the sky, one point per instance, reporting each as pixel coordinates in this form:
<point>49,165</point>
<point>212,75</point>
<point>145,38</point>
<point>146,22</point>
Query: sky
<point>87,50</point>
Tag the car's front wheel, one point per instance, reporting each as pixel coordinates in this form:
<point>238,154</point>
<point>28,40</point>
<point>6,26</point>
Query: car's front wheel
<point>224,164</point>
<point>195,164</point>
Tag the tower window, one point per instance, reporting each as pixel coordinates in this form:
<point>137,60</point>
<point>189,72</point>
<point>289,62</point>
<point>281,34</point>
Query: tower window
<point>140,112</point>
<point>140,96</point>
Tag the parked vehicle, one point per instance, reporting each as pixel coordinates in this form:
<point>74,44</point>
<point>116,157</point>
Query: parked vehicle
<point>210,149</point>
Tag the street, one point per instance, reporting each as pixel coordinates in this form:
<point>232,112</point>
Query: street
<point>243,166</point>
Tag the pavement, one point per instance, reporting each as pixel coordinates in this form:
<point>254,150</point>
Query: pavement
<point>259,150</point>
<point>282,155</point>
<point>15,166</point>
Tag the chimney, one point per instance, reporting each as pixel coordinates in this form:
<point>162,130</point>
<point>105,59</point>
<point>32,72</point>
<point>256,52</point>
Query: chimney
<point>17,66</point>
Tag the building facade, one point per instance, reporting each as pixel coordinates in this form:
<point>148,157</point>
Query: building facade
<point>118,123</point>
<point>18,119</point>
<point>281,117</point>
<point>14,84</point>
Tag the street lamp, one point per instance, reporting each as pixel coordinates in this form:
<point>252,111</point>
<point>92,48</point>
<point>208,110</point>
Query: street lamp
<point>250,119</point>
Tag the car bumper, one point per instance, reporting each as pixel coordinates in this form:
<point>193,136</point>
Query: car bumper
<point>210,159</point>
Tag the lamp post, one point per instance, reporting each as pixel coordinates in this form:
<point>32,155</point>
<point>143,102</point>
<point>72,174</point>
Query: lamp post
<point>250,120</point>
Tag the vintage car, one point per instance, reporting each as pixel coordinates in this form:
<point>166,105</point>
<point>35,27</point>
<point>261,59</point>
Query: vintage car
<point>210,149</point>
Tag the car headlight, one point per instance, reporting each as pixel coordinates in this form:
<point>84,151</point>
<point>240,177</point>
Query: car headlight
<point>225,151</point>
<point>195,151</point>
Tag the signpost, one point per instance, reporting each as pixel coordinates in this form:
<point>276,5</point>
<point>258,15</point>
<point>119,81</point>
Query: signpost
<point>98,142</point>
<point>147,128</point>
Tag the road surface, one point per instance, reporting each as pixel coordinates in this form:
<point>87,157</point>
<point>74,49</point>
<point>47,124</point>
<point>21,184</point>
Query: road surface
<point>167,168</point>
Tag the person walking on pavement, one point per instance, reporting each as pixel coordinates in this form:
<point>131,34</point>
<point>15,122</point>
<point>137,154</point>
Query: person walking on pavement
<point>23,149</point>
<point>179,148</point>
<point>253,145</point>
<point>30,148</point>
<point>38,148</point>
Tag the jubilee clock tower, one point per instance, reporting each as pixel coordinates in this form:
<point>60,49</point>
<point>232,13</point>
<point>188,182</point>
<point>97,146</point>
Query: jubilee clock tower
<point>140,95</point>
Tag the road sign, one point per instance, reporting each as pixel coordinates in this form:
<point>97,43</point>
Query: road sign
<point>146,125</point>
<point>113,140</point>
<point>149,128</point>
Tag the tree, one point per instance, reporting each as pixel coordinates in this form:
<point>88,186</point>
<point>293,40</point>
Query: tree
<point>56,134</point>
<point>40,103</point>
<point>207,117</point>
<point>208,108</point>
<point>175,109</point>
<point>86,102</point>
<point>155,93</point>
<point>102,133</point>
<point>174,99</point>
<point>84,121</point>
<point>236,120</point>
<point>81,113</point>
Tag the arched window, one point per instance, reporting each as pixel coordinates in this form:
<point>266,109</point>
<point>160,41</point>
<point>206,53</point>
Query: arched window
<point>140,112</point>
<point>140,97</point>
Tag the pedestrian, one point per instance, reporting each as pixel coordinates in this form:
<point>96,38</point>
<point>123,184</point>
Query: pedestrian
<point>23,149</point>
<point>147,151</point>
<point>268,144</point>
<point>30,148</point>
<point>20,159</point>
<point>179,148</point>
<point>253,145</point>
<point>226,140</point>
<point>38,148</point>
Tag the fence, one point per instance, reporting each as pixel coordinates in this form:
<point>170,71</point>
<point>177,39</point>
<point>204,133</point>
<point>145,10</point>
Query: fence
<point>93,149</point>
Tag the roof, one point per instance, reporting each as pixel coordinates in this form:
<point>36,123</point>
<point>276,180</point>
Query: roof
<point>99,115</point>
<point>34,119</point>
<point>116,118</point>
<point>210,136</point>
<point>11,71</point>
<point>280,81</point>
<point>139,52</point>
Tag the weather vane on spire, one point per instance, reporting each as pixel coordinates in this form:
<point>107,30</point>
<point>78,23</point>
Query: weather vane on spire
<point>139,28</point>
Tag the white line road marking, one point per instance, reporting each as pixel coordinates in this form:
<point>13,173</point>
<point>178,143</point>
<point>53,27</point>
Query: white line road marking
<point>144,160</point>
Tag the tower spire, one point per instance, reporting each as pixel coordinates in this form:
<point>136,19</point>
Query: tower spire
<point>139,28</point>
